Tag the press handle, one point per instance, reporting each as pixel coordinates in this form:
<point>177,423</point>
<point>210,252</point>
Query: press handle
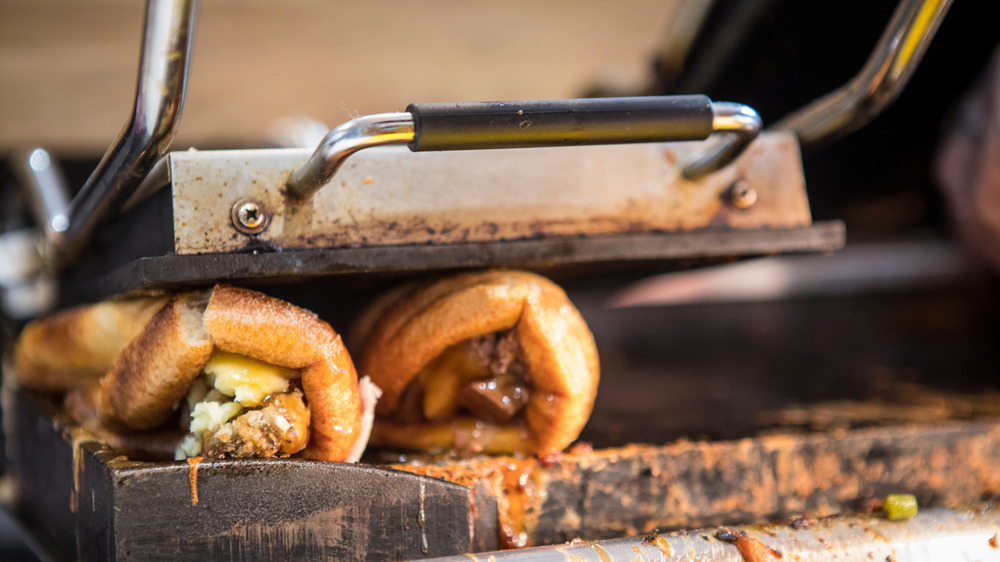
<point>517,124</point>
<point>523,124</point>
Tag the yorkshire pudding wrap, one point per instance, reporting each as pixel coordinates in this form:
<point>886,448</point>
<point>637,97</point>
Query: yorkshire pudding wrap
<point>494,361</point>
<point>253,376</point>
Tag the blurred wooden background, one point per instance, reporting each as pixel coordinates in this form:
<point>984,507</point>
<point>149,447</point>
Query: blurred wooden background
<point>67,69</point>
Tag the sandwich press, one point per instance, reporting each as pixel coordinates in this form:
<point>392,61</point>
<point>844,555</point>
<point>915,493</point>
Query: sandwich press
<point>531,184</point>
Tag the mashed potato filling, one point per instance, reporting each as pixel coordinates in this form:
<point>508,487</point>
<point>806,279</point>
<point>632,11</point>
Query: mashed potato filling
<point>233,385</point>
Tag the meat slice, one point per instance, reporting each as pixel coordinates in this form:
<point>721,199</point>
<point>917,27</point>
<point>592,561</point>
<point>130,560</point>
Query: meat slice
<point>369,393</point>
<point>496,399</point>
<point>279,428</point>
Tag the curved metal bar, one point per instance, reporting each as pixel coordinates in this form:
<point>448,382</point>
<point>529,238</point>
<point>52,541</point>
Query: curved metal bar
<point>44,189</point>
<point>159,98</point>
<point>736,126</point>
<point>346,139</point>
<point>880,81</point>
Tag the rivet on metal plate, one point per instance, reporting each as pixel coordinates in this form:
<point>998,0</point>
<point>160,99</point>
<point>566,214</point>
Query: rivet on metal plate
<point>740,195</point>
<point>249,217</point>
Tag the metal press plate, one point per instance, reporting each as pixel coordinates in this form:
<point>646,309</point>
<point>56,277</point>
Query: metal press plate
<point>391,197</point>
<point>263,264</point>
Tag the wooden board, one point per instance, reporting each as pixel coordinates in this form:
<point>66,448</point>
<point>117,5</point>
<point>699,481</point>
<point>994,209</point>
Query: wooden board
<point>633,490</point>
<point>88,502</point>
<point>91,502</point>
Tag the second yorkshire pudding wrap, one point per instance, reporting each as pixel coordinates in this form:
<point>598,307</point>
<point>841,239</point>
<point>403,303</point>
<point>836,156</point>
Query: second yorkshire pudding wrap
<point>493,361</point>
<point>258,376</point>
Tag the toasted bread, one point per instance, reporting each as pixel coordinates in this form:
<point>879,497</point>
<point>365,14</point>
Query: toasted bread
<point>75,347</point>
<point>417,324</point>
<point>158,347</point>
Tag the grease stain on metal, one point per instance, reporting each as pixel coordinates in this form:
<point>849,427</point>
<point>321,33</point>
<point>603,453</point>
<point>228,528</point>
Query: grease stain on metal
<point>428,191</point>
<point>660,543</point>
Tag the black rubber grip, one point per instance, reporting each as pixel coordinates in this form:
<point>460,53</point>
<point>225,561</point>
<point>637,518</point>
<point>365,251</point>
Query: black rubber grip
<point>516,124</point>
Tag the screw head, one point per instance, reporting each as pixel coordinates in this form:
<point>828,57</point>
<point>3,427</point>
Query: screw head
<point>249,217</point>
<point>741,195</point>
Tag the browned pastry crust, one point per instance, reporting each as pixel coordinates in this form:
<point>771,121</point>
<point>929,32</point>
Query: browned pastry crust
<point>418,323</point>
<point>276,332</point>
<point>76,347</point>
<point>152,374</point>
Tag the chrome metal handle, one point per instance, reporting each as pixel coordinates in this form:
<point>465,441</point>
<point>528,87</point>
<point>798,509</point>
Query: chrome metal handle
<point>159,99</point>
<point>572,122</point>
<point>482,125</point>
<point>44,189</point>
<point>737,125</point>
<point>363,132</point>
<point>881,80</point>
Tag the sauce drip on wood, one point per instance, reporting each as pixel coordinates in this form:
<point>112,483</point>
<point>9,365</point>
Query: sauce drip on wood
<point>193,478</point>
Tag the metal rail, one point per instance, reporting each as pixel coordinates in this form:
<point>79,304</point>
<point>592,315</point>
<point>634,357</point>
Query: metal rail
<point>44,189</point>
<point>934,534</point>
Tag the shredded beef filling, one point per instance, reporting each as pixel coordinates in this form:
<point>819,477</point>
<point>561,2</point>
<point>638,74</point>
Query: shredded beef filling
<point>499,351</point>
<point>280,427</point>
<point>493,389</point>
<point>496,399</point>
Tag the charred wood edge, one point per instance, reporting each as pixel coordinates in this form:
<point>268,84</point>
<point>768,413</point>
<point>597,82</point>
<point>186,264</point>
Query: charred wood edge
<point>634,489</point>
<point>172,270</point>
<point>83,500</point>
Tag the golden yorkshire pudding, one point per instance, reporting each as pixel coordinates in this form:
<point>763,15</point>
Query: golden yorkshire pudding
<point>492,361</point>
<point>254,376</point>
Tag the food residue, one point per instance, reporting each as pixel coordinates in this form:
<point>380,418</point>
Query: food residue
<point>74,498</point>
<point>421,519</point>
<point>799,523</point>
<point>659,542</point>
<point>751,549</point>
<point>193,478</point>
<point>900,507</point>
<point>602,554</point>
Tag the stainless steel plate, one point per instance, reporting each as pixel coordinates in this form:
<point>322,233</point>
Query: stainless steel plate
<point>389,196</point>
